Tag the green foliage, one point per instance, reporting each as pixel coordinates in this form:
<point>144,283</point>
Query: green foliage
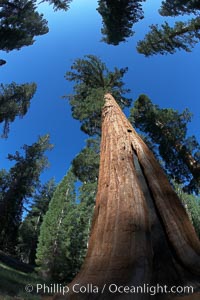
<point>183,36</point>
<point>179,7</point>
<point>167,128</point>
<point>23,179</point>
<point>87,195</point>
<point>14,102</point>
<point>59,4</point>
<point>30,227</point>
<point>54,251</point>
<point>4,182</point>
<point>19,24</point>
<point>86,163</point>
<point>192,205</point>
<point>92,80</point>
<point>118,19</point>
<point>65,229</point>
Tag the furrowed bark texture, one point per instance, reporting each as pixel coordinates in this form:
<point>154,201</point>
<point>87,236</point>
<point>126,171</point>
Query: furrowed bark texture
<point>141,232</point>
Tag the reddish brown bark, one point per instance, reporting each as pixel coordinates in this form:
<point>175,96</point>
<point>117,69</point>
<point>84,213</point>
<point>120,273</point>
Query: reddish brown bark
<point>141,232</point>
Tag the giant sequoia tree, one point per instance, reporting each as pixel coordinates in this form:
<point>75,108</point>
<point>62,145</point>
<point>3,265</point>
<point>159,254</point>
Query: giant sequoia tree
<point>93,80</point>
<point>140,232</point>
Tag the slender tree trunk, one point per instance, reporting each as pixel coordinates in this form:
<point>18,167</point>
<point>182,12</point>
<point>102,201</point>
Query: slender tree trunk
<point>141,233</point>
<point>187,157</point>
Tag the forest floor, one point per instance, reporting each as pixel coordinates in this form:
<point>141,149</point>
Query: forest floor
<point>15,277</point>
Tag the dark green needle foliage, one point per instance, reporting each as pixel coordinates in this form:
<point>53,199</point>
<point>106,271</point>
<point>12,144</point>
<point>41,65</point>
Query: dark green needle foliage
<point>92,81</point>
<point>167,128</point>
<point>118,19</point>
<point>30,227</point>
<point>65,230</point>
<point>4,183</point>
<point>179,7</point>
<point>59,4</point>
<point>192,205</point>
<point>22,181</point>
<point>14,102</point>
<point>86,164</point>
<point>166,39</point>
<point>60,241</point>
<point>19,24</point>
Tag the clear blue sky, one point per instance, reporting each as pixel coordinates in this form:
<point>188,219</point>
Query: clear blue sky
<point>170,81</point>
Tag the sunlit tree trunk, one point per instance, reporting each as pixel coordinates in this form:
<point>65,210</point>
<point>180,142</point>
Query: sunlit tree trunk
<point>141,233</point>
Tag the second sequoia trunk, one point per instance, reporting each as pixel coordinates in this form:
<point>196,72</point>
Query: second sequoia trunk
<point>141,234</point>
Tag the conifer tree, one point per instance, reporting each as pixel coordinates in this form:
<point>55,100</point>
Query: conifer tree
<point>167,128</point>
<point>30,227</point>
<point>167,39</point>
<point>92,80</point>
<point>86,164</point>
<point>19,24</point>
<point>65,230</point>
<point>140,233</point>
<point>57,241</point>
<point>118,19</point>
<point>140,230</point>
<point>23,179</point>
<point>179,7</point>
<point>86,167</point>
<point>192,205</point>
<point>59,4</point>
<point>14,102</point>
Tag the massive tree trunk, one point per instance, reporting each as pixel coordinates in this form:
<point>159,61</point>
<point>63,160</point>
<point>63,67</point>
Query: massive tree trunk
<point>141,233</point>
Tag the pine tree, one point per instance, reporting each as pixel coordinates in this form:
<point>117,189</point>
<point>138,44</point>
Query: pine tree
<point>164,40</point>
<point>192,205</point>
<point>179,7</point>
<point>167,128</point>
<point>23,180</point>
<point>59,4</point>
<point>86,167</point>
<point>86,164</point>
<point>118,19</point>
<point>30,227</point>
<point>19,24</point>
<point>55,248</point>
<point>14,102</point>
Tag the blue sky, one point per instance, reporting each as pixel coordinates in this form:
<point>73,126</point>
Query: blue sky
<point>170,81</point>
